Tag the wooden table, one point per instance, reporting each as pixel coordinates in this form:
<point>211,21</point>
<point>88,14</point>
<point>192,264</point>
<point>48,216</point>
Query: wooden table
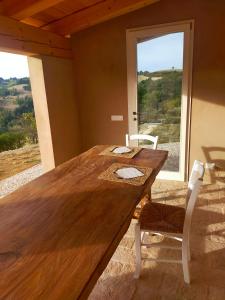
<point>58,232</point>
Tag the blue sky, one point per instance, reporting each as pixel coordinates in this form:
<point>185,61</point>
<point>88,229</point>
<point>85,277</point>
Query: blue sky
<point>161,53</point>
<point>13,65</point>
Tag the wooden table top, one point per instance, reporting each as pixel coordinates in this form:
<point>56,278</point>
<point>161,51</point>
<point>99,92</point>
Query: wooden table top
<point>58,232</point>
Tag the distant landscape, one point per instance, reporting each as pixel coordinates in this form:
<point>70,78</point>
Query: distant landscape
<point>159,104</point>
<point>18,134</point>
<point>17,120</point>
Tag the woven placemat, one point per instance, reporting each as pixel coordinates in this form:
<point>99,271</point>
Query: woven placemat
<point>110,174</point>
<point>108,151</point>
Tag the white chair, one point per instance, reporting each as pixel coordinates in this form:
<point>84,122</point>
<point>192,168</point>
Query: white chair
<point>170,221</point>
<point>142,137</point>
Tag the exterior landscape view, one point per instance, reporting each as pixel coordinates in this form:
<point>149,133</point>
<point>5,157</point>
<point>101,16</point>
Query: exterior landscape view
<point>17,127</point>
<point>160,72</point>
<point>159,107</point>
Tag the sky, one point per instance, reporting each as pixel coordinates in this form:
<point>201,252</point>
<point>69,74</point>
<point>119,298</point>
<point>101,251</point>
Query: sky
<point>13,65</point>
<point>161,53</point>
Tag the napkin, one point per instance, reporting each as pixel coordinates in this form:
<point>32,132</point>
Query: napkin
<point>128,173</point>
<point>120,150</point>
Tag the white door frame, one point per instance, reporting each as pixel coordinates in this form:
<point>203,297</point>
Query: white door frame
<point>132,37</point>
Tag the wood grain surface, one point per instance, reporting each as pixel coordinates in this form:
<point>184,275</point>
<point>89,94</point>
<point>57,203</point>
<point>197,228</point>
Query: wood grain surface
<point>58,232</point>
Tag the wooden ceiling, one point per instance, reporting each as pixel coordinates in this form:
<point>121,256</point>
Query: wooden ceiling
<point>65,17</point>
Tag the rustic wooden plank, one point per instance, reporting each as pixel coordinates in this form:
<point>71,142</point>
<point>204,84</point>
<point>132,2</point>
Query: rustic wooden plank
<point>20,37</point>
<point>59,231</point>
<point>22,9</point>
<point>31,48</point>
<point>57,12</point>
<point>33,22</point>
<point>95,14</point>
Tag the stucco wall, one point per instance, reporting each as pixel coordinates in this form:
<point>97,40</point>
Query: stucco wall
<point>101,83</point>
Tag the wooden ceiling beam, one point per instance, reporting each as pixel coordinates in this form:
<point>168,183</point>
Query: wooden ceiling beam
<point>95,14</point>
<point>22,9</point>
<point>25,39</point>
<point>33,22</point>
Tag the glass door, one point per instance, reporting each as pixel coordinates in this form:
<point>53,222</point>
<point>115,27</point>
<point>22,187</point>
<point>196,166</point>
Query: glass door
<point>161,94</point>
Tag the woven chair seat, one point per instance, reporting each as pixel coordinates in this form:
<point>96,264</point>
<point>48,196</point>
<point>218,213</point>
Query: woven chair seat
<point>162,218</point>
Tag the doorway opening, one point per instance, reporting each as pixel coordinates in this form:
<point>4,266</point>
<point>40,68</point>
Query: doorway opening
<point>159,83</point>
<point>19,149</point>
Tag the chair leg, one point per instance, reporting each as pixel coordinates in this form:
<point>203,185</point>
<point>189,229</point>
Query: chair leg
<point>189,249</point>
<point>138,250</point>
<point>185,262</point>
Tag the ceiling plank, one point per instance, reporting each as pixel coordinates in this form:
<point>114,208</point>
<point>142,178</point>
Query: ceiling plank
<point>25,39</point>
<point>95,14</point>
<point>33,21</point>
<point>20,10</point>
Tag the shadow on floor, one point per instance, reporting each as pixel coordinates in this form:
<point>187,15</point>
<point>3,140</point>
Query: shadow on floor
<point>165,281</point>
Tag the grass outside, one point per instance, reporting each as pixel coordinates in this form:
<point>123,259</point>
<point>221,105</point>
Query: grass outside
<point>16,161</point>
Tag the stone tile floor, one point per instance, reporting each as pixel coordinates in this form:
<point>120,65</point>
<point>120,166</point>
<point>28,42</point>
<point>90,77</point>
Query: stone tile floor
<point>163,280</point>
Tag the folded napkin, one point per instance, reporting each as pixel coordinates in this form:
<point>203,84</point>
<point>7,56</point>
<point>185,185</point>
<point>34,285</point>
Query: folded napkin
<point>128,173</point>
<point>119,150</point>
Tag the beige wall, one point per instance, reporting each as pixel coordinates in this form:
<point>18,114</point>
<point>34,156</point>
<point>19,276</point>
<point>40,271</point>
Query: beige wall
<point>55,108</point>
<point>63,114</point>
<point>100,73</point>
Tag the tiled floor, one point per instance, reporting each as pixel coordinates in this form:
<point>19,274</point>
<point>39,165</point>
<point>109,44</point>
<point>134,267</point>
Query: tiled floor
<point>165,281</point>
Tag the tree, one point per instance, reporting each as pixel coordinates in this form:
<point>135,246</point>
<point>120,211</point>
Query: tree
<point>25,105</point>
<point>159,101</point>
<point>28,123</point>
<point>24,80</point>
<point>11,140</point>
<point>6,118</point>
<point>4,92</point>
<point>27,87</point>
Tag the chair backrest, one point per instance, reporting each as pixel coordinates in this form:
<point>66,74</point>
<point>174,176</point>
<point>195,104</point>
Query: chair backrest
<point>197,172</point>
<point>194,185</point>
<point>142,137</point>
<point>190,207</point>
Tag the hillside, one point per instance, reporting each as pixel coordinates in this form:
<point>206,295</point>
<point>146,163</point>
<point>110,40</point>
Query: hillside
<point>17,120</point>
<point>159,104</point>
<point>11,89</point>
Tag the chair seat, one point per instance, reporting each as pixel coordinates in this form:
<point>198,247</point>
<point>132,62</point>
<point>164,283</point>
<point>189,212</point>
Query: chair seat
<point>162,218</point>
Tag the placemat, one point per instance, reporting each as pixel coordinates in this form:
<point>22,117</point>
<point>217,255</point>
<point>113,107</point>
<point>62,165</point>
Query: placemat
<point>110,174</point>
<point>108,151</point>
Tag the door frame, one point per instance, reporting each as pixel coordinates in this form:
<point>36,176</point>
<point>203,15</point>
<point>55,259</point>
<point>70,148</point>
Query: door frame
<point>132,36</point>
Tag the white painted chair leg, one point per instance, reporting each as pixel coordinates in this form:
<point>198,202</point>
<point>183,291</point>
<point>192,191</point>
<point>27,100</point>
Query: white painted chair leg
<point>185,263</point>
<point>189,250</point>
<point>137,250</point>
